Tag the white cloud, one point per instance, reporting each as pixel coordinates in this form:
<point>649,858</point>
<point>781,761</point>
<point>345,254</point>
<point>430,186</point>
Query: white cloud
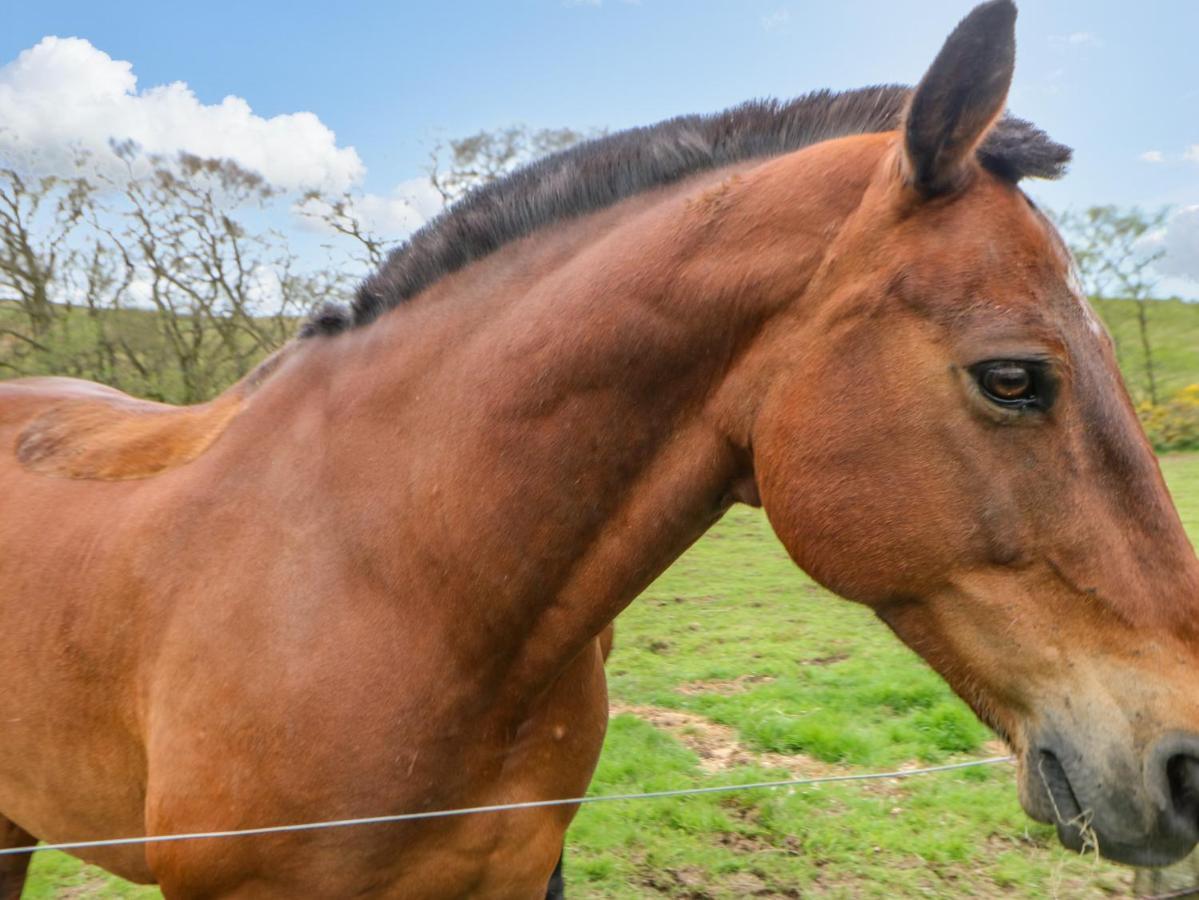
<point>776,20</point>
<point>405,209</point>
<point>1192,153</point>
<point>1076,39</point>
<point>1180,241</point>
<point>1152,156</point>
<point>63,95</point>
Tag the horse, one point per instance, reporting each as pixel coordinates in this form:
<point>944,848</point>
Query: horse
<point>373,576</point>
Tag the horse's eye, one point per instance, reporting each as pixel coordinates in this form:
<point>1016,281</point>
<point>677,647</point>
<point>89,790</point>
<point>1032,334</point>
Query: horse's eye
<point>1007,383</point>
<point>1015,384</point>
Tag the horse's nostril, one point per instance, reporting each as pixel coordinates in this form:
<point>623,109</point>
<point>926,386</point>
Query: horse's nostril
<point>1053,776</point>
<point>1182,773</point>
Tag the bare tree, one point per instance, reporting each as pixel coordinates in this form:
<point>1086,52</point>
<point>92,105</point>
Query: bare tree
<point>456,167</point>
<point>154,280</point>
<point>341,216</point>
<point>464,163</point>
<point>225,295</point>
<point>37,217</point>
<point>1108,243</point>
<point>162,277</point>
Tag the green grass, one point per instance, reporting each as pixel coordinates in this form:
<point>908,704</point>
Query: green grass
<point>1174,332</point>
<point>55,876</point>
<point>1182,474</point>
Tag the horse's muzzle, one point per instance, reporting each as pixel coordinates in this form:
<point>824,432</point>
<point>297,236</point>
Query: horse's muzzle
<point>1142,815</point>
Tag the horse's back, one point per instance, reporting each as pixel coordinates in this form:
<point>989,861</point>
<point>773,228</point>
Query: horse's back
<point>23,398</point>
<point>68,428</point>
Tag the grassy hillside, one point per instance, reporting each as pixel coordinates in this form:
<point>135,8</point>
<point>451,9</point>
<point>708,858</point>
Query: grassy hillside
<point>1174,332</point>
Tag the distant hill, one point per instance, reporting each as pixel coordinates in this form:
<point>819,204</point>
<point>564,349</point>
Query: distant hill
<point>1174,332</point>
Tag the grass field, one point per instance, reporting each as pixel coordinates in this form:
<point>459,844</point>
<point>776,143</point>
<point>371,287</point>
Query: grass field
<point>1174,332</point>
<point>735,667</point>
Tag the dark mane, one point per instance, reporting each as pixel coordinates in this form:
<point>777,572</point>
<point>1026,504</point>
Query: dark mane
<point>599,173</point>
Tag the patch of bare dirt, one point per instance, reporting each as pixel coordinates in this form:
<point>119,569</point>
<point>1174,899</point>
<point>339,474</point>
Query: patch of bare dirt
<point>824,660</point>
<point>692,884</point>
<point>719,749</point>
<point>717,746</point>
<point>723,686</point>
<point>745,884</point>
<point>94,886</point>
<point>685,882</point>
<point>752,840</point>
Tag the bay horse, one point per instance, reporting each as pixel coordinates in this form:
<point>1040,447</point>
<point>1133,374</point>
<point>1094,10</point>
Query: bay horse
<point>371,577</point>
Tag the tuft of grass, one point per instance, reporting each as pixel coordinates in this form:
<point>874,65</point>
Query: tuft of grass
<point>57,876</point>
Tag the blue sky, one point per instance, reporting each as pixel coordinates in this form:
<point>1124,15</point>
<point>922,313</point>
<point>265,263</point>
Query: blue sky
<point>1116,80</point>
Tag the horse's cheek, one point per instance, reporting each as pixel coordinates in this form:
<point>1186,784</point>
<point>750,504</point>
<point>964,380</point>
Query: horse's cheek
<point>860,511</point>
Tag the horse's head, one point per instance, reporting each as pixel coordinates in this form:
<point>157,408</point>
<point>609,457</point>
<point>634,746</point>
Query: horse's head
<point>956,450</point>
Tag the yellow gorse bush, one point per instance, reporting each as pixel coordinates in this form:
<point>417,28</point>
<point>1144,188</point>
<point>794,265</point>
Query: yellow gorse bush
<point>1173,425</point>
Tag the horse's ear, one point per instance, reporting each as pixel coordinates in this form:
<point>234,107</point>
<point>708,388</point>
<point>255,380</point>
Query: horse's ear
<point>960,96</point>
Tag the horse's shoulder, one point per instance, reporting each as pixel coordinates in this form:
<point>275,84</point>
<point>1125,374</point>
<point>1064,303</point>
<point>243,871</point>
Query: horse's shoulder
<point>79,429</point>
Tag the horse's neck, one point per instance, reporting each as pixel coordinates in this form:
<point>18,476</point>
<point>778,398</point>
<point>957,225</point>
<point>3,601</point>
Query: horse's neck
<point>540,454</point>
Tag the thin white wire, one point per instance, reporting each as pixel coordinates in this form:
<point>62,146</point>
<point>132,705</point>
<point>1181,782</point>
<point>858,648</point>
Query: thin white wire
<point>502,807</point>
